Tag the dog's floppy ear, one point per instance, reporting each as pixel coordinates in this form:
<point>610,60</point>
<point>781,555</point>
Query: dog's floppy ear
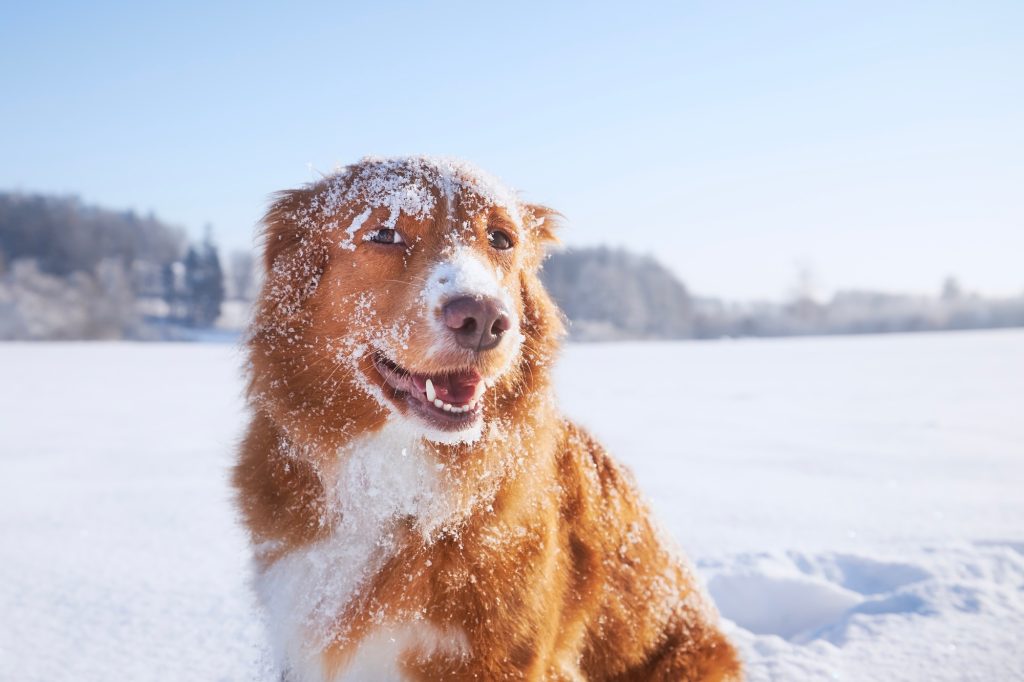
<point>542,321</point>
<point>283,230</point>
<point>294,254</point>
<point>543,222</point>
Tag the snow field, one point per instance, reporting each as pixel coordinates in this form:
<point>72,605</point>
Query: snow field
<point>854,504</point>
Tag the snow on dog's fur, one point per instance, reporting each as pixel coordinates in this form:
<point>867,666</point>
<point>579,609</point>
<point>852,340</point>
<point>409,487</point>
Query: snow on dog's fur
<point>418,508</point>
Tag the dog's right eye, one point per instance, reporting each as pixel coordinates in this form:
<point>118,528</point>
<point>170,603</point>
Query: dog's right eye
<point>384,235</point>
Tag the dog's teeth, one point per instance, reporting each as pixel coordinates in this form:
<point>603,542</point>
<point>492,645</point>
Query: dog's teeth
<point>438,403</point>
<point>448,407</point>
<point>431,394</point>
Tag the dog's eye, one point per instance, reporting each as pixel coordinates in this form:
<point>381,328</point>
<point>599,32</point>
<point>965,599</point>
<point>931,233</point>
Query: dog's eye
<point>384,235</point>
<point>499,239</point>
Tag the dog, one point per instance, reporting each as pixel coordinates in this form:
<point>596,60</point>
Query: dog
<point>418,508</point>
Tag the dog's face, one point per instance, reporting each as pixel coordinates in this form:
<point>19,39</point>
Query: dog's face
<point>401,289</point>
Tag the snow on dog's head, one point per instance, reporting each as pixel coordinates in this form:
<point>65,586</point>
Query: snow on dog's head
<point>401,289</point>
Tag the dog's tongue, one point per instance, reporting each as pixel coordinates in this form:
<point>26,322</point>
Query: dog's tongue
<point>455,388</point>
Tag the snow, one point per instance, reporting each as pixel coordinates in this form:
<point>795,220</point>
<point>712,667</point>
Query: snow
<point>350,232</point>
<point>854,504</point>
<point>403,184</point>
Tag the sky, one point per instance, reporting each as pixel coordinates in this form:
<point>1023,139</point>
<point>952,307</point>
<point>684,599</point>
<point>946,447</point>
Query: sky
<point>871,145</point>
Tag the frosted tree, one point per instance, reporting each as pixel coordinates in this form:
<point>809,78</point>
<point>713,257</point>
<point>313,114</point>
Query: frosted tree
<point>204,283</point>
<point>611,293</point>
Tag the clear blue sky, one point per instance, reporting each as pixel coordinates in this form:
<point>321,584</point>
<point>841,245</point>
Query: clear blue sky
<point>881,144</point>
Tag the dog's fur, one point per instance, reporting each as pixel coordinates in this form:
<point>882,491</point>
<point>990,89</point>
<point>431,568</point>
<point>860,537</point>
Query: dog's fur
<point>389,548</point>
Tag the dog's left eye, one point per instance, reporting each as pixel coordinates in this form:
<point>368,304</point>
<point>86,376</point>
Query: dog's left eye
<point>499,239</point>
<point>384,235</point>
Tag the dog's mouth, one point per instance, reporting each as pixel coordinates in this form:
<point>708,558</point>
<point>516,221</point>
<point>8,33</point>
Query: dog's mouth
<point>450,401</point>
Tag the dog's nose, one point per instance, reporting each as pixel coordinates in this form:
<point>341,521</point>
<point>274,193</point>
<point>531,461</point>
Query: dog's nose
<point>478,323</point>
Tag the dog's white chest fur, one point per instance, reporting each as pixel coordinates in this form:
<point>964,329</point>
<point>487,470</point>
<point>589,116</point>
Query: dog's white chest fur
<point>386,476</point>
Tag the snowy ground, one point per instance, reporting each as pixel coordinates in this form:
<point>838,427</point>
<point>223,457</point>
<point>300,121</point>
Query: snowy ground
<point>855,504</point>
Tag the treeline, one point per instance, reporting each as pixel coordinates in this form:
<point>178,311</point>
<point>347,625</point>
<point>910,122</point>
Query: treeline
<point>72,271</point>
<point>613,294</point>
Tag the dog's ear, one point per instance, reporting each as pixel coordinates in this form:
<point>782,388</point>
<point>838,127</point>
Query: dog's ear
<point>542,222</point>
<point>294,254</point>
<point>283,228</point>
<point>542,322</point>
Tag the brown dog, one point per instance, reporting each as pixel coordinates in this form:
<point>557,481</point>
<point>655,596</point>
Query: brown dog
<point>418,508</point>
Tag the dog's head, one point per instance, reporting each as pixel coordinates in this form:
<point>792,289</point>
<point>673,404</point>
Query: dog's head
<point>401,289</point>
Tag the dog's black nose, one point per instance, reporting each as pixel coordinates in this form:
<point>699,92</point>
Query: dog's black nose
<point>477,322</point>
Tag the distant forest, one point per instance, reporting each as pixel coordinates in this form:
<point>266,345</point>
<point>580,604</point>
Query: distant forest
<point>614,294</point>
<point>72,271</point>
